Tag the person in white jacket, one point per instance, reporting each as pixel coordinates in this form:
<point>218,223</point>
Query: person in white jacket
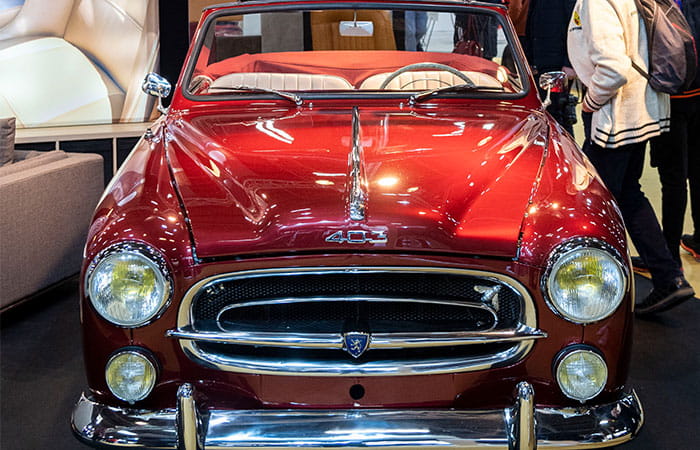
<point>621,112</point>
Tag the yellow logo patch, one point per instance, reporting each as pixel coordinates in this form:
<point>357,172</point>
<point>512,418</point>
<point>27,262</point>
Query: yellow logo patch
<point>577,19</point>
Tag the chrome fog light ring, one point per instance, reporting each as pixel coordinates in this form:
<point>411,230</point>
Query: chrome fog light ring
<point>127,309</point>
<point>581,372</point>
<point>131,374</point>
<point>585,281</point>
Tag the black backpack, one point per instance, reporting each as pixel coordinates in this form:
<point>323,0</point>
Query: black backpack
<point>673,59</point>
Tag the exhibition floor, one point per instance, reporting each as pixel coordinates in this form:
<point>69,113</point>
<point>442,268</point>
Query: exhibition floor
<point>41,369</point>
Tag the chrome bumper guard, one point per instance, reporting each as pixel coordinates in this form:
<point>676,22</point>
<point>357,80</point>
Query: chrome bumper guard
<point>520,427</point>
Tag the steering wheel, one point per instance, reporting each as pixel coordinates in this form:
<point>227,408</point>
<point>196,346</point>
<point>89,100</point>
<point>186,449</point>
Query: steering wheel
<point>426,66</point>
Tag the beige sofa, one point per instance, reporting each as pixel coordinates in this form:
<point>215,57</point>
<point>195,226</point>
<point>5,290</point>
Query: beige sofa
<point>46,203</point>
<point>67,62</point>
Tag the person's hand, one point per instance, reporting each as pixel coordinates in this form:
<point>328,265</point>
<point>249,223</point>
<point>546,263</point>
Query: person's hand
<point>585,108</point>
<point>570,73</point>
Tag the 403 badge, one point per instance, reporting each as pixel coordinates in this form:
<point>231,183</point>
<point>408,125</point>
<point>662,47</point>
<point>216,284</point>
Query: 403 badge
<point>358,237</point>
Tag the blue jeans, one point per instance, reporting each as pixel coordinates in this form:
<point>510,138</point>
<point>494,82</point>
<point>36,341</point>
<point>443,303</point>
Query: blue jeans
<point>621,168</point>
<point>416,27</point>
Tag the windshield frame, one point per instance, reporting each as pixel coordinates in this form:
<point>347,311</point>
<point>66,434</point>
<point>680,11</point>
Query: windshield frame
<point>261,7</point>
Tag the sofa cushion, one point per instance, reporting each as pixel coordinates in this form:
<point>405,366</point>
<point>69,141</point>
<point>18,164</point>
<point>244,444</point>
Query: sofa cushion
<point>41,91</point>
<point>44,218</point>
<point>29,160</point>
<point>7,140</point>
<point>21,155</point>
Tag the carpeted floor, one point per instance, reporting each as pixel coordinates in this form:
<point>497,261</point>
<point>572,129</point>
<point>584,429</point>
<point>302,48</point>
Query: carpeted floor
<point>41,374</point>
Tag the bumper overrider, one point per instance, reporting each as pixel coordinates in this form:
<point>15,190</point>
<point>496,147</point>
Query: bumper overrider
<point>521,426</point>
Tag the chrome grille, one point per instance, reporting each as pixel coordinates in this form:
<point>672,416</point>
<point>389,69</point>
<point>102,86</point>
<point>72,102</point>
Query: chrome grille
<point>420,320</point>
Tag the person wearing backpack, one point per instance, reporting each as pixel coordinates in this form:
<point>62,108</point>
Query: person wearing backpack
<point>621,112</point>
<point>676,155</point>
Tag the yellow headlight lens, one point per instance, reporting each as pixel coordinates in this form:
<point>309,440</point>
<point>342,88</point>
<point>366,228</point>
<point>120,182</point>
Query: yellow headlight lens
<point>582,374</point>
<point>127,288</point>
<point>130,376</point>
<point>586,285</point>
<point>132,278</point>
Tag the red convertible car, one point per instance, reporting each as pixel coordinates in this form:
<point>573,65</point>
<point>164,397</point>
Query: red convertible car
<point>356,226</point>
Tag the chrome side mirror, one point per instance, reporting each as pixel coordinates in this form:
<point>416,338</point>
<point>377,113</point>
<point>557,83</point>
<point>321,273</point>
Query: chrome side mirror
<point>549,81</point>
<point>157,86</point>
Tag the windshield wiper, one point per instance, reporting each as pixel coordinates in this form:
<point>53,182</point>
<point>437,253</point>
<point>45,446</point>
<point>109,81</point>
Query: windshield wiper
<point>285,95</point>
<point>466,87</point>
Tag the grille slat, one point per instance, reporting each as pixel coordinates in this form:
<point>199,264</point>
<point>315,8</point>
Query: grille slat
<point>372,315</point>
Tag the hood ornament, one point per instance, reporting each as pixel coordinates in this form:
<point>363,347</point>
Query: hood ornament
<point>357,203</point>
<point>489,295</point>
<point>356,343</point>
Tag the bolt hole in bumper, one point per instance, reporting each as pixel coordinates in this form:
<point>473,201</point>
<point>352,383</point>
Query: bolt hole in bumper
<point>519,427</point>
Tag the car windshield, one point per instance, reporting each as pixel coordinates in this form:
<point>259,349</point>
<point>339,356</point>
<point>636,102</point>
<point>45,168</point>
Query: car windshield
<point>290,54</point>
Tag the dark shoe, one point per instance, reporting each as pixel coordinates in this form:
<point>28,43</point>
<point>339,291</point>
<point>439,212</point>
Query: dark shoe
<point>640,267</point>
<point>691,245</point>
<point>662,299</point>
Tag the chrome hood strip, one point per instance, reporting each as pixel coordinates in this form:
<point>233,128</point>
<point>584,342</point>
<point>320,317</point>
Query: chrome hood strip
<point>378,340</point>
<point>357,203</point>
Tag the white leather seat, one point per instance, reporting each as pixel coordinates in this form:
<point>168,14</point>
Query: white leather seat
<point>426,79</point>
<point>67,62</point>
<point>51,82</point>
<point>282,81</point>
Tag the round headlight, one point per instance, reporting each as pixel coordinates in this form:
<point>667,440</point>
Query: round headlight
<point>130,376</point>
<point>127,287</point>
<point>586,285</point>
<point>581,374</point>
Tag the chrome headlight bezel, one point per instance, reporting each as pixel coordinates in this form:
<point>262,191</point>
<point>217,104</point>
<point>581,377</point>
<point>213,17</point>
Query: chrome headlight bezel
<point>154,258</point>
<point>574,245</point>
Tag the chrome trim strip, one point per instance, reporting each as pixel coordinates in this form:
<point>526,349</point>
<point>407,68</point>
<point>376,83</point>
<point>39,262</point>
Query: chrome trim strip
<point>584,427</point>
<point>278,301</point>
<point>275,366</point>
<point>357,203</point>
<point>519,349</point>
<point>331,341</point>
<point>447,339</point>
<point>360,298</point>
<point>305,340</point>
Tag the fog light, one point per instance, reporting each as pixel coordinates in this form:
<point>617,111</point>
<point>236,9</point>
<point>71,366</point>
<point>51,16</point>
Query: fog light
<point>581,374</point>
<point>130,376</point>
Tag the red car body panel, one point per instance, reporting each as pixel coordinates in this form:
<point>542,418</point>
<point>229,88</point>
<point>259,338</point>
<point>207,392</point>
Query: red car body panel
<point>273,182</point>
<point>468,183</point>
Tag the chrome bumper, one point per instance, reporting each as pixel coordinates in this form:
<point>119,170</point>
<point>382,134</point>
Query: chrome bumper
<point>520,427</point>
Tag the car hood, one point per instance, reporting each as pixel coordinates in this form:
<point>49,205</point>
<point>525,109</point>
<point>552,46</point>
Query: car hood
<point>276,181</point>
